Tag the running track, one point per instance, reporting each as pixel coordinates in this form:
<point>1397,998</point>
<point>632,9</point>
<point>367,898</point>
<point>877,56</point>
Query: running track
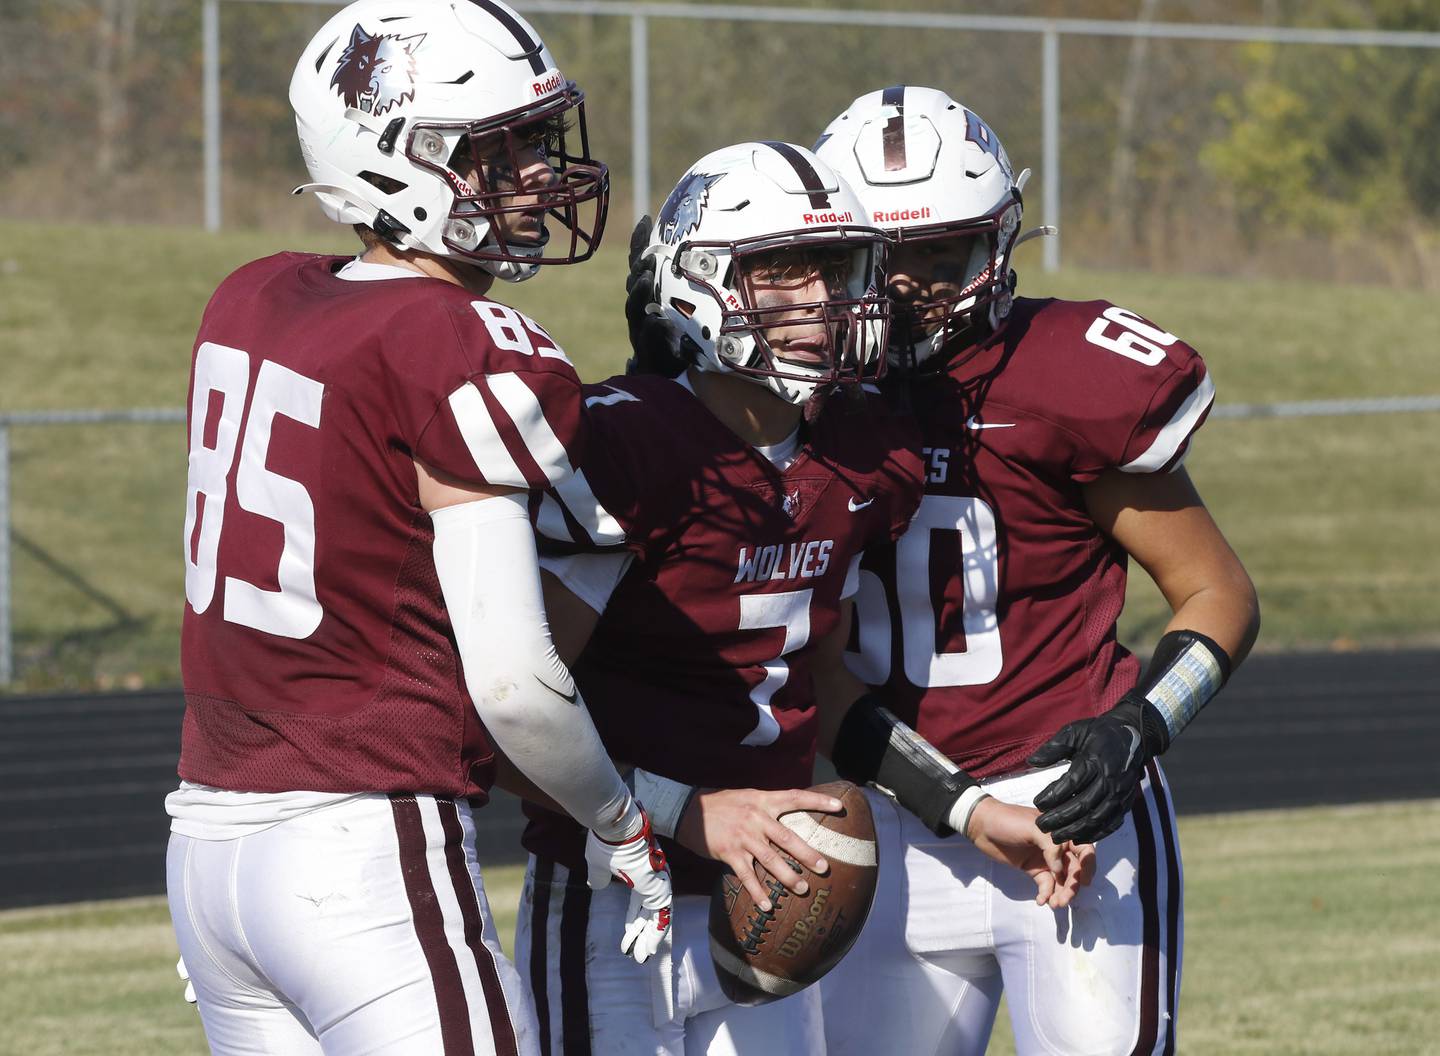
<point>83,777</point>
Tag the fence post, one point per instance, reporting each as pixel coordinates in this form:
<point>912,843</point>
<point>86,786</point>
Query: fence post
<point>1050,150</point>
<point>211,32</point>
<point>640,113</point>
<point>7,643</point>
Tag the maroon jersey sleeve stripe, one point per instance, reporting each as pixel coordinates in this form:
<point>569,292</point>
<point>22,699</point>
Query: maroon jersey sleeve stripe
<point>430,928</point>
<point>574,991</point>
<point>518,432</point>
<point>541,890</point>
<point>1174,898</point>
<point>571,519</point>
<point>502,1030</point>
<point>558,529</point>
<point>1167,439</point>
<point>507,432</point>
<point>1146,883</point>
<point>1157,877</point>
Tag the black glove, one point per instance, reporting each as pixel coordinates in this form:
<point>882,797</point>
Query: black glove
<point>654,341</point>
<point>1108,755</point>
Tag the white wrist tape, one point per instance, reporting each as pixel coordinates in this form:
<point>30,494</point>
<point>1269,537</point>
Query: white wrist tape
<point>959,818</point>
<point>663,799</point>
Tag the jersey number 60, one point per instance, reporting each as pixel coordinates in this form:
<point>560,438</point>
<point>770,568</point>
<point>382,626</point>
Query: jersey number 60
<point>927,662</point>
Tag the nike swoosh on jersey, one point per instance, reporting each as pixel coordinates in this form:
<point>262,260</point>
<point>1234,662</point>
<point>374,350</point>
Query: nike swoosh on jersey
<point>974,423</point>
<point>856,507</point>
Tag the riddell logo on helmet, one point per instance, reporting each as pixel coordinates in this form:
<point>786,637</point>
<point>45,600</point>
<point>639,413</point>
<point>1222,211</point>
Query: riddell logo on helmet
<point>548,85</point>
<point>895,216</point>
<point>827,218</point>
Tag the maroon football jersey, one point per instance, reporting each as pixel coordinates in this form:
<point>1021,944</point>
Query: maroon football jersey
<point>316,652</point>
<point>991,623</point>
<point>699,667</point>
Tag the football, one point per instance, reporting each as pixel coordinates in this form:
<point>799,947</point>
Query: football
<point>764,956</point>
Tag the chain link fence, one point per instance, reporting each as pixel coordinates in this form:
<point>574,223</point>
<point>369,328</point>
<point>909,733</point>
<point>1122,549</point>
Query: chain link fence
<point>1300,145</point>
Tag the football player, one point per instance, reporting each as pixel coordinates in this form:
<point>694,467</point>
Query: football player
<point>1053,437</point>
<point>361,582</point>
<point>721,520</point>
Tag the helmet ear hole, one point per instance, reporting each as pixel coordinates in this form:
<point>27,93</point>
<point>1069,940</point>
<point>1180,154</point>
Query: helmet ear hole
<point>385,184</point>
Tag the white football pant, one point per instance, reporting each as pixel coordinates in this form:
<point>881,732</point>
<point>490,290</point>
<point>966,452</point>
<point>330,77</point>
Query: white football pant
<point>357,928</point>
<point>951,929</point>
<point>592,1000</point>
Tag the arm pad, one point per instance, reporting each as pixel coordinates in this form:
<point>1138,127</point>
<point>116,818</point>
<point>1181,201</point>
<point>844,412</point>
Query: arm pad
<point>872,745</point>
<point>666,801</point>
<point>1185,672</point>
<point>485,560</point>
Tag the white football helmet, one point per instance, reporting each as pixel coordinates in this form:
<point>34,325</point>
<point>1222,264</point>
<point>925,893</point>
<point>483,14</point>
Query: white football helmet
<point>397,102</point>
<point>767,264</point>
<point>928,168</point>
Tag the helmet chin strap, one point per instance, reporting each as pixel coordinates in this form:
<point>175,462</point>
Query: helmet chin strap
<point>513,270</point>
<point>925,350</point>
<point>791,390</point>
<point>799,393</point>
<point>931,349</point>
<point>510,270</point>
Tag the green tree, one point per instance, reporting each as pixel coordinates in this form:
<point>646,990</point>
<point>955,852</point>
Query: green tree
<point>1336,140</point>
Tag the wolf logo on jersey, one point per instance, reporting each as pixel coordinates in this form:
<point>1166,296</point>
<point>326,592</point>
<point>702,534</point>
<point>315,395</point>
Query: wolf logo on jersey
<point>377,73</point>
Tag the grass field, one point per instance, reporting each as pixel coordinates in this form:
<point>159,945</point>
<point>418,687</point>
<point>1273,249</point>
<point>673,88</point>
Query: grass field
<point>1309,933</point>
<point>1333,516</point>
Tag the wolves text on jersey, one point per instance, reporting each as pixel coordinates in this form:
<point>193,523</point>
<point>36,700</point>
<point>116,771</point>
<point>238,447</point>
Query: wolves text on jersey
<point>803,560</point>
<point>937,464</point>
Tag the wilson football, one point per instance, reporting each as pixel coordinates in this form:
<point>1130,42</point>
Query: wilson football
<point>764,956</point>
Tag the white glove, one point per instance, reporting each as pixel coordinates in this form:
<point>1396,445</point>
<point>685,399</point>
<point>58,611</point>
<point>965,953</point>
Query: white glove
<point>184,974</point>
<point>640,863</point>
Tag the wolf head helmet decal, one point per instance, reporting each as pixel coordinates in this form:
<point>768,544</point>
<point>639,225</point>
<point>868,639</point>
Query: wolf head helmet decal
<point>681,212</point>
<point>376,73</point>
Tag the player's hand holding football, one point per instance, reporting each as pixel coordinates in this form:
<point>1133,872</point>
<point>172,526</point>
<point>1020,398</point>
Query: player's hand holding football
<point>1107,759</point>
<point>1007,833</point>
<point>638,861</point>
<point>741,826</point>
